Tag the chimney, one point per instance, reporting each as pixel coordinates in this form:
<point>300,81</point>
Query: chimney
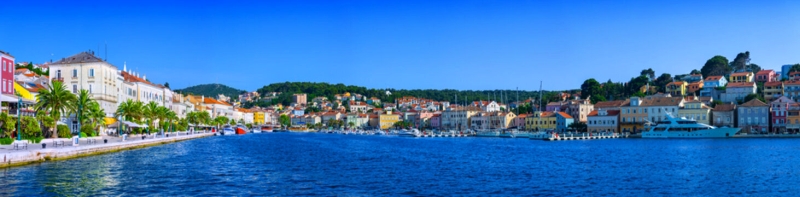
<point>144,77</point>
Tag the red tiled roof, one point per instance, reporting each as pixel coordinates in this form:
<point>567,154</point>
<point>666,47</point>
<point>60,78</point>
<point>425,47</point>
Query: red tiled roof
<point>773,84</point>
<point>565,115</point>
<point>740,74</point>
<point>713,78</point>
<point>754,103</point>
<point>764,72</point>
<point>741,84</point>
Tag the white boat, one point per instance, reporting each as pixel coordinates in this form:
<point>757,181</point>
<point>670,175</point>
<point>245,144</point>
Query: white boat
<point>228,130</point>
<point>685,128</point>
<point>254,130</point>
<point>407,133</point>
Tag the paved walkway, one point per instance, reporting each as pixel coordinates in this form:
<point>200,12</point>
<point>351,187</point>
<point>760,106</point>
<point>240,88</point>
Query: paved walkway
<point>111,141</point>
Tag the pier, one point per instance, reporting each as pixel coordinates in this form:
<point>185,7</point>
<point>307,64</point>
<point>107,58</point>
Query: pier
<point>583,137</point>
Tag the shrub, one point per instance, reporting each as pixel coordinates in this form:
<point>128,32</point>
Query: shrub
<point>30,127</point>
<point>35,140</point>
<point>63,131</point>
<point>6,141</point>
<point>87,129</point>
<point>83,134</point>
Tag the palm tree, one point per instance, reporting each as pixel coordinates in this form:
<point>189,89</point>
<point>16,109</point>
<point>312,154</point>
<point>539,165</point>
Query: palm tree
<point>95,115</point>
<point>151,112</point>
<point>56,100</point>
<point>171,117</point>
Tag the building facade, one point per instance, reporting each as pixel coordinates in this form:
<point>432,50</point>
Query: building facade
<point>753,116</point>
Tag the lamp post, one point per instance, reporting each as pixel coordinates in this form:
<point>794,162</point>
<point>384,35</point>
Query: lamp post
<point>19,117</point>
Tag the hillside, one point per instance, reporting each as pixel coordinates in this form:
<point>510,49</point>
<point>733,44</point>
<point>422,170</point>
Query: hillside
<point>211,90</point>
<point>328,90</point>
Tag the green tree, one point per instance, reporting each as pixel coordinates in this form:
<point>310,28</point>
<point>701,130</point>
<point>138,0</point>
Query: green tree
<point>9,124</point>
<point>649,73</point>
<point>578,126</point>
<point>56,100</point>
<point>590,87</point>
<point>716,66</point>
<point>46,121</point>
<point>95,116</point>
<point>695,72</point>
<point>636,83</point>
<point>662,81</point>
<point>30,128</point>
<point>741,61</point>
<point>754,96</point>
<point>285,120</point>
<point>351,124</point>
<point>794,68</point>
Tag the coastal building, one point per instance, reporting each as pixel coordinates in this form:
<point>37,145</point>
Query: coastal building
<point>519,121</point>
<point>358,106</point>
<point>541,121</point>
<point>794,75</point>
<point>579,108</point>
<point>658,108</point>
<point>773,90</point>
<point>780,108</point>
<point>436,120</point>
<point>84,71</point>
<point>713,86</point>
<point>785,71</point>
<point>736,91</point>
<point>677,88</point>
<point>791,89</point>
<point>331,115</point>
<point>695,110</point>
<point>611,105</point>
<point>458,117</point>
<point>358,120</point>
<point>632,116</point>
<point>388,119</point>
<point>554,106</point>
<point>792,118</point>
<point>741,77</point>
<point>694,88</point>
<point>765,76</point>
<point>487,106</point>
<point>753,116</point>
<point>723,115</point>
<point>300,99</point>
<point>563,121</point>
<point>693,78</point>
<point>7,76</point>
<point>603,120</point>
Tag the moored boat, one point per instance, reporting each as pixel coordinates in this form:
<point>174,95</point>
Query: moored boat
<point>227,130</point>
<point>241,130</point>
<point>684,128</point>
<point>267,129</point>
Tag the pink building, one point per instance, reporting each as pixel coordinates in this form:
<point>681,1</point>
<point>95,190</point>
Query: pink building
<point>519,121</point>
<point>436,120</point>
<point>7,75</point>
<point>766,76</point>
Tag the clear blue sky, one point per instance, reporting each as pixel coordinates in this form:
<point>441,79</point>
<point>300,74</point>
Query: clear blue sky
<point>403,44</point>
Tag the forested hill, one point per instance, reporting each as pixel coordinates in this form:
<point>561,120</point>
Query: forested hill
<point>329,90</point>
<point>211,90</point>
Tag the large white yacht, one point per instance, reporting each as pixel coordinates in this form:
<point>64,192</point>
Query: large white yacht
<point>685,128</point>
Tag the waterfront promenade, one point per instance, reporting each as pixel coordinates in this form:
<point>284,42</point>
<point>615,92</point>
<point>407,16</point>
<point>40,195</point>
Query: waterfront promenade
<point>35,153</point>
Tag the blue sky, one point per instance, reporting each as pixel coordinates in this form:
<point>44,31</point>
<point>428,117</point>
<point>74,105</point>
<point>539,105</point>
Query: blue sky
<point>403,44</point>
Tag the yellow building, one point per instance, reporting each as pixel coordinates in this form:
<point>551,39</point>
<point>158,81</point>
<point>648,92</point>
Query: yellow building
<point>387,120</point>
<point>540,121</point>
<point>741,77</point>
<point>677,88</point>
<point>695,110</point>
<point>258,117</point>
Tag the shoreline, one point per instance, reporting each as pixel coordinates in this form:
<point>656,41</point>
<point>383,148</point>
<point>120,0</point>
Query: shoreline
<point>14,158</point>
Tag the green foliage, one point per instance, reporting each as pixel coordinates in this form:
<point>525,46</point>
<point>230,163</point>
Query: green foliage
<point>56,100</point>
<point>83,135</point>
<point>30,127</point>
<point>717,65</point>
<point>639,94</point>
<point>590,87</point>
<point>211,90</point>
<point>87,129</point>
<point>795,67</point>
<point>249,125</point>
<point>636,83</point>
<point>754,96</point>
<point>36,140</point>
<point>328,90</point>
<point>695,72</point>
<point>30,67</point>
<point>662,81</point>
<point>285,120</point>
<point>63,131</point>
<point>649,73</point>
<point>9,124</point>
<point>740,62</point>
<point>578,126</point>
<point>715,103</point>
<point>6,141</point>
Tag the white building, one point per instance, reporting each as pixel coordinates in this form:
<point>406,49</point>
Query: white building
<point>84,71</point>
<point>735,92</point>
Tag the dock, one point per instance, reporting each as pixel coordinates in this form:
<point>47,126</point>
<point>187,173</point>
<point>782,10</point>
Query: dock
<point>583,137</point>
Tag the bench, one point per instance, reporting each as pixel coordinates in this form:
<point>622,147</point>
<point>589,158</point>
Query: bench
<point>20,145</point>
<point>91,141</point>
<point>57,143</point>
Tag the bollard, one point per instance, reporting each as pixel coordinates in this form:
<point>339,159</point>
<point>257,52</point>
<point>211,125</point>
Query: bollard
<point>105,141</point>
<point>44,145</point>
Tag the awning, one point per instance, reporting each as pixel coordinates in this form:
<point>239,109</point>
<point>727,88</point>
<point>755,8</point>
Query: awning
<point>129,124</point>
<point>109,120</point>
<point>14,99</point>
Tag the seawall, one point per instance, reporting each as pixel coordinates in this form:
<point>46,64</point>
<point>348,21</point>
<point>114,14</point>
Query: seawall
<point>11,158</point>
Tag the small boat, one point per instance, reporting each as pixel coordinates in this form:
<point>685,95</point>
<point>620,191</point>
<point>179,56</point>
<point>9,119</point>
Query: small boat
<point>267,129</point>
<point>241,130</point>
<point>407,133</point>
<point>254,130</point>
<point>227,130</point>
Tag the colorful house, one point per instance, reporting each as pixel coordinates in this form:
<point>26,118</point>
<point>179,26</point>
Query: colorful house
<point>632,116</point>
<point>736,91</point>
<point>694,87</point>
<point>780,108</point>
<point>793,118</point>
<point>387,120</point>
<point>741,77</point>
<point>773,90</point>
<point>711,85</point>
<point>603,121</point>
<point>723,115</point>
<point>764,76</point>
<point>791,89</point>
<point>563,120</point>
<point>540,121</point>
<point>753,116</point>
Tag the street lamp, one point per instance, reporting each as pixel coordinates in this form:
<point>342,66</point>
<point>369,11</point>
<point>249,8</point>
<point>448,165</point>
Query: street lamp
<point>19,117</point>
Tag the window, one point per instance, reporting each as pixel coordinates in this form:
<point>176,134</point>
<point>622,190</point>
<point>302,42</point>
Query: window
<point>4,83</point>
<point>90,88</point>
<point>74,89</point>
<point>58,74</point>
<point>74,72</point>
<point>91,72</point>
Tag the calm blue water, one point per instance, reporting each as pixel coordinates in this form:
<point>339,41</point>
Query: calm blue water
<point>328,164</point>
